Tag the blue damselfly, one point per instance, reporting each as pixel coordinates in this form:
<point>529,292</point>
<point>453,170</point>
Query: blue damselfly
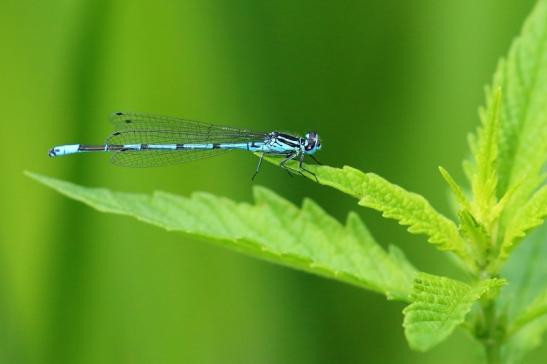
<point>147,140</point>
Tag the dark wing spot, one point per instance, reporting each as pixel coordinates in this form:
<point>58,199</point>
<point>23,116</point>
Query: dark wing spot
<point>116,133</point>
<point>119,113</point>
<point>128,121</point>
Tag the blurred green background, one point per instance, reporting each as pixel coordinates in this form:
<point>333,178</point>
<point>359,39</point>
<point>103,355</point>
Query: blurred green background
<point>392,86</point>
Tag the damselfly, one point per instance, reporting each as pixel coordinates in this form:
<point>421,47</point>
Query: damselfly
<point>147,140</point>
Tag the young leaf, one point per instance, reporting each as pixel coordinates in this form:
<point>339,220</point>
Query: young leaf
<point>474,232</point>
<point>456,189</point>
<point>272,228</point>
<point>438,306</point>
<point>528,217</point>
<point>484,177</point>
<point>522,77</point>
<point>394,202</point>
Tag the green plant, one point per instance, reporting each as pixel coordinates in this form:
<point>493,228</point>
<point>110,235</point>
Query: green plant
<point>504,302</point>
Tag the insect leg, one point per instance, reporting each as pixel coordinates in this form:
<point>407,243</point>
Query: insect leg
<point>283,163</point>
<point>258,167</point>
<point>300,165</point>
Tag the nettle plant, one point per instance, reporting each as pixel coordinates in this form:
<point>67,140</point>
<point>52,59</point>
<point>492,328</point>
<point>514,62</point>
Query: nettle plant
<point>503,303</point>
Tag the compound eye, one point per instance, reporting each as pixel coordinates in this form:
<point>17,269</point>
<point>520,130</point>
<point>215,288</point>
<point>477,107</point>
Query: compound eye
<point>310,145</point>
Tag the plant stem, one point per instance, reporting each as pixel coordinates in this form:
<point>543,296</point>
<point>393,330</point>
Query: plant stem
<point>490,333</point>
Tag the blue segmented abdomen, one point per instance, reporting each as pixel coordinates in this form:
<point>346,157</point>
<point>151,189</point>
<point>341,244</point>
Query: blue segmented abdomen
<point>80,148</point>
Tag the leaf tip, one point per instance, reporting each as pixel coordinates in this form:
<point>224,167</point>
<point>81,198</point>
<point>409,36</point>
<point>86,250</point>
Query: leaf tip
<point>31,174</point>
<point>45,180</point>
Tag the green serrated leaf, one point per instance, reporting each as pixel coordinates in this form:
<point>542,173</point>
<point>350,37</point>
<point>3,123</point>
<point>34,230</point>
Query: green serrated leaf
<point>484,178</point>
<point>272,228</point>
<point>456,189</point>
<point>528,217</point>
<point>498,209</point>
<point>522,77</point>
<point>439,305</point>
<point>394,202</point>
<point>474,232</point>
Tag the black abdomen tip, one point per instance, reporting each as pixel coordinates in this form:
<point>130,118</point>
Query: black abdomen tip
<point>51,152</point>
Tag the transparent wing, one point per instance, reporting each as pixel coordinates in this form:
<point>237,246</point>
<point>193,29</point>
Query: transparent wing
<point>181,130</point>
<point>157,158</point>
<point>140,128</point>
<point>155,137</point>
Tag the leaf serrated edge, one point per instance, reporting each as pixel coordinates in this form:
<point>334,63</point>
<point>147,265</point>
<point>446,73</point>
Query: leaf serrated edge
<point>530,216</point>
<point>468,295</point>
<point>110,203</point>
<point>456,189</point>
